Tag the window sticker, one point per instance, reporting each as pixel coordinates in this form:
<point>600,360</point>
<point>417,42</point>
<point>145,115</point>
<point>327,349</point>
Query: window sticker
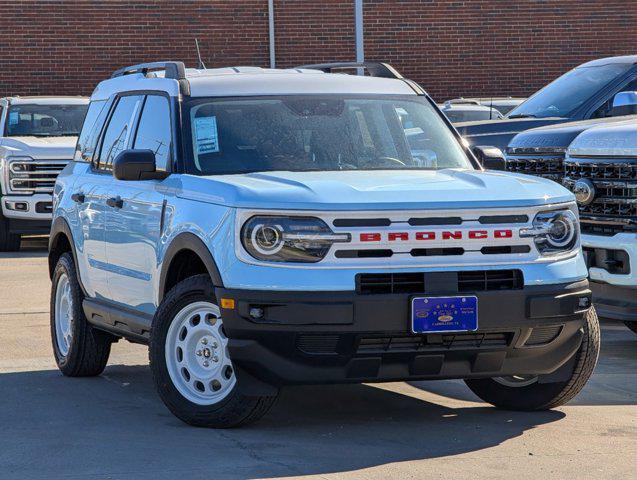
<point>206,135</point>
<point>14,118</point>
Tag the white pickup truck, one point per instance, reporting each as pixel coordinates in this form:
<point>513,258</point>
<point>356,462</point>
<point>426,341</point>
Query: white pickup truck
<point>601,169</point>
<point>37,140</point>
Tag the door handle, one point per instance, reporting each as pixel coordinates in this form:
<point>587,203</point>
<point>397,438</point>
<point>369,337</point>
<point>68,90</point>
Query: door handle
<point>115,202</point>
<point>78,197</point>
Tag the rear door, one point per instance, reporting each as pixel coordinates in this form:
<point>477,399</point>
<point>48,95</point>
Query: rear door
<point>133,228</point>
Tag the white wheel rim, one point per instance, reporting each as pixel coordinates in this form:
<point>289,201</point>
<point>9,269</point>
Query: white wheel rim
<point>63,315</point>
<point>197,354</point>
<point>516,381</point>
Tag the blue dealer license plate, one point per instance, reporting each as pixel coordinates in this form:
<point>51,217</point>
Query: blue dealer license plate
<point>444,314</point>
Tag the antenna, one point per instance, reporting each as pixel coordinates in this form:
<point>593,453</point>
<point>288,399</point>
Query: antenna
<point>200,65</point>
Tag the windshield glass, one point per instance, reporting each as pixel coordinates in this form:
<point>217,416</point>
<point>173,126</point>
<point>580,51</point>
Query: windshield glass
<point>44,120</point>
<point>561,97</point>
<point>316,133</point>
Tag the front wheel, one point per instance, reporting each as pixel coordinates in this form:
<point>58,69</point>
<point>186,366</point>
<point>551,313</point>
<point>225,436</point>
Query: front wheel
<point>522,392</point>
<point>190,362</point>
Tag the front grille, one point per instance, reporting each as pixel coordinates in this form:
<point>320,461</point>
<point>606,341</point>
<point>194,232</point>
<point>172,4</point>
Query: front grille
<point>614,208</point>
<point>547,165</point>
<point>449,341</point>
<point>37,176</point>
<point>467,281</point>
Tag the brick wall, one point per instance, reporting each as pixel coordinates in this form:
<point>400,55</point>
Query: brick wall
<point>451,47</point>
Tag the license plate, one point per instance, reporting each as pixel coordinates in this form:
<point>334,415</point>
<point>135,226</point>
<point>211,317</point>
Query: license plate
<point>444,314</point>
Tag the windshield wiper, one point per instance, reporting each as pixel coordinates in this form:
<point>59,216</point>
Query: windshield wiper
<point>522,115</point>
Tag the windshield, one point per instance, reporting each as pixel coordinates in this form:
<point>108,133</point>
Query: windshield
<point>561,97</point>
<point>25,120</point>
<point>317,133</point>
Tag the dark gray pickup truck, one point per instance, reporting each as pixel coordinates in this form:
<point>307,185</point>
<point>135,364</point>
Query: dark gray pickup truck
<point>586,92</point>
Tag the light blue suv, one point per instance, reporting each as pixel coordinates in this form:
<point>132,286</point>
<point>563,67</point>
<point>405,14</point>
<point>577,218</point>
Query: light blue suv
<point>260,228</point>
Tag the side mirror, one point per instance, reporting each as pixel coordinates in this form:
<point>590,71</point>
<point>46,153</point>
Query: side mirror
<point>624,103</point>
<point>490,158</point>
<point>137,165</point>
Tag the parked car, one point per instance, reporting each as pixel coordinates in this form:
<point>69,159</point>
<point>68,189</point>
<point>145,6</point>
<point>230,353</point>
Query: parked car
<point>260,228</point>
<point>600,168</point>
<point>583,93</point>
<point>465,112</point>
<point>37,138</point>
<point>503,104</point>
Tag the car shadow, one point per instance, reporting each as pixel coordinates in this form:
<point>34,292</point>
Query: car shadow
<point>116,423</point>
<point>30,247</point>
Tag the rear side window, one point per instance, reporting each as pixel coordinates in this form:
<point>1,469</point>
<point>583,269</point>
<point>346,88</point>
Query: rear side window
<point>154,131</point>
<point>118,132</point>
<point>87,141</point>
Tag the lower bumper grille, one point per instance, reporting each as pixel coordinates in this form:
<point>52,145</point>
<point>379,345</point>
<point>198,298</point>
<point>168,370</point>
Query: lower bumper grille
<point>465,281</point>
<point>398,344</point>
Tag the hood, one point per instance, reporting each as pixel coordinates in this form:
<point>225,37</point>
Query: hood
<point>372,190</point>
<point>39,147</point>
<point>615,140</point>
<point>560,135</point>
<point>498,133</point>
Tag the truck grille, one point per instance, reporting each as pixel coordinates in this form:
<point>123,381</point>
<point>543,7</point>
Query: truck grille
<point>536,162</point>
<point>614,207</point>
<point>34,176</point>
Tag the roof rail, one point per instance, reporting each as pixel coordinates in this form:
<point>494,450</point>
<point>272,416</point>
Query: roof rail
<point>176,70</point>
<point>375,69</point>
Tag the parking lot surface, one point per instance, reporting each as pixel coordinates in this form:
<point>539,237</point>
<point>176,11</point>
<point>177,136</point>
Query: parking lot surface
<point>115,427</point>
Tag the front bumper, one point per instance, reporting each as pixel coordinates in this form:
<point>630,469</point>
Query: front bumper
<point>340,337</point>
<point>614,294</point>
<point>28,207</point>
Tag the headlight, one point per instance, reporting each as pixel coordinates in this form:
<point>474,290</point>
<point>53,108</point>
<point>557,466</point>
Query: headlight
<point>554,232</point>
<point>289,239</point>
<point>18,172</point>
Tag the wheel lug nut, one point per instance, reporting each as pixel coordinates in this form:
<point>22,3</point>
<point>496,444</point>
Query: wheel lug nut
<point>199,353</point>
<point>215,345</point>
<point>206,363</point>
<point>215,359</point>
<point>204,341</point>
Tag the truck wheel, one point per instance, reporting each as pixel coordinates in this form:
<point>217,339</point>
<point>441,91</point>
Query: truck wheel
<point>526,393</point>
<point>632,326</point>
<point>9,242</point>
<point>189,360</point>
<point>80,350</point>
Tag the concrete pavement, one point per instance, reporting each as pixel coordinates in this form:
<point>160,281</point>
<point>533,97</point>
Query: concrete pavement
<point>115,426</point>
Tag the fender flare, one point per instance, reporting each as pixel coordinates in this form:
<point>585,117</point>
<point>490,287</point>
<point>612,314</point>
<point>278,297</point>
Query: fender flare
<point>188,241</point>
<point>58,227</point>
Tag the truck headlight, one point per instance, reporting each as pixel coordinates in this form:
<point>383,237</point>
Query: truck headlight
<point>18,172</point>
<point>554,232</point>
<point>289,239</point>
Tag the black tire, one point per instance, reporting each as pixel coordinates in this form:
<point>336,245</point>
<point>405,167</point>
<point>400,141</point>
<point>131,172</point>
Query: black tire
<point>89,348</point>
<point>544,396</point>
<point>235,409</point>
<point>9,242</point>
<point>632,326</point>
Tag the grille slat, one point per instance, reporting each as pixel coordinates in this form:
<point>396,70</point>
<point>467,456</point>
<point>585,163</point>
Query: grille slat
<point>542,165</point>
<point>399,344</point>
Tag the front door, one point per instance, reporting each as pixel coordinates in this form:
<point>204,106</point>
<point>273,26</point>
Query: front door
<point>133,224</point>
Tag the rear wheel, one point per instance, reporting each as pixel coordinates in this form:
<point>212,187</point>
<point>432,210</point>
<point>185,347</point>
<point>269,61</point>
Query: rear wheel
<point>80,350</point>
<point>190,362</point>
<point>9,242</point>
<point>524,392</point>
<point>632,326</point>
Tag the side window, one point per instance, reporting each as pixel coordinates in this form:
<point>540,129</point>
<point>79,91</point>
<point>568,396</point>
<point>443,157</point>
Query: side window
<point>87,141</point>
<point>153,131</point>
<point>606,108</point>
<point>117,135</point>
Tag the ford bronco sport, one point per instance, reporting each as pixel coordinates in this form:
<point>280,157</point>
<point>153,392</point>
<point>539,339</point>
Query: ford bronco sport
<point>38,135</point>
<point>260,228</point>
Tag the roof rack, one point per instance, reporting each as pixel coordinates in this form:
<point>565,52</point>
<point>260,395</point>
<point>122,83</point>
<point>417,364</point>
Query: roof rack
<point>375,69</point>
<point>176,70</point>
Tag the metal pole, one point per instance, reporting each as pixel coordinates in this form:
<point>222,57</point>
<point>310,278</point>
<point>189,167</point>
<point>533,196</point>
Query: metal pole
<point>271,33</point>
<point>358,21</point>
